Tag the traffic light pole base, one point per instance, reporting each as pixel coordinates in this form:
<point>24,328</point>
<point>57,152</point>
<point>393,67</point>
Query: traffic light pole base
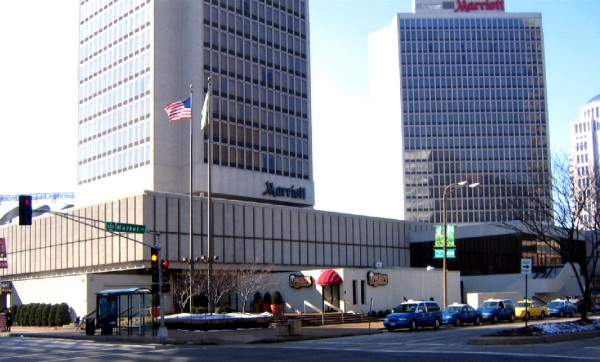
<point>162,333</point>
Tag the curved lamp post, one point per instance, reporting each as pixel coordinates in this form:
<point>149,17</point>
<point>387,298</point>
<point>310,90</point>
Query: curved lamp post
<point>447,191</point>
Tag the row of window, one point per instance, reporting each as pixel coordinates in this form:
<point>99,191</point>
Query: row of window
<point>473,106</point>
<point>460,35</point>
<point>444,58</point>
<point>242,158</point>
<point>468,24</point>
<point>444,130</point>
<point>536,83</point>
<point>263,9</point>
<point>484,143</point>
<point>278,22</point>
<point>470,48</point>
<point>472,70</point>
<point>471,94</point>
<point>115,163</point>
<point>455,119</point>
<point>252,138</point>
<point>114,141</point>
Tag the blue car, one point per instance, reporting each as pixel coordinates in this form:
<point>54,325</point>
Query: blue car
<point>457,314</point>
<point>561,308</point>
<point>414,314</point>
<point>494,310</point>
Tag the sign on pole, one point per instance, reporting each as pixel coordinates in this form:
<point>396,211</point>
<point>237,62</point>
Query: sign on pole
<point>526,266</point>
<point>439,253</point>
<point>117,227</point>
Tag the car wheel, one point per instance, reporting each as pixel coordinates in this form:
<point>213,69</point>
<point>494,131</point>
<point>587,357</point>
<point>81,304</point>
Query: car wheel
<point>477,321</point>
<point>562,313</point>
<point>495,319</point>
<point>543,315</point>
<point>437,324</point>
<point>457,321</point>
<point>572,314</point>
<point>414,326</point>
<point>527,316</point>
<point>390,329</point>
<point>512,318</point>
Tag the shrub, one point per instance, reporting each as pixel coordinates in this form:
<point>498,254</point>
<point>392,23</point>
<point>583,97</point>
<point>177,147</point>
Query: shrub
<point>223,309</point>
<point>198,310</point>
<point>52,315</point>
<point>32,314</point>
<point>266,298</point>
<point>257,297</point>
<point>45,314</point>
<point>62,315</point>
<point>277,299</point>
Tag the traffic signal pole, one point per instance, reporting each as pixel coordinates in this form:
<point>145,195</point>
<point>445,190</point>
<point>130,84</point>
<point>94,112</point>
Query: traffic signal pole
<point>162,329</point>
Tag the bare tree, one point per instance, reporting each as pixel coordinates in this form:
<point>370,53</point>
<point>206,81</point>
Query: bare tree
<point>180,286</point>
<point>568,221</point>
<point>222,282</point>
<point>250,278</point>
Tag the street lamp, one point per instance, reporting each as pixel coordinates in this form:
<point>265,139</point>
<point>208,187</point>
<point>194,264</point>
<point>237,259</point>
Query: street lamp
<point>447,190</point>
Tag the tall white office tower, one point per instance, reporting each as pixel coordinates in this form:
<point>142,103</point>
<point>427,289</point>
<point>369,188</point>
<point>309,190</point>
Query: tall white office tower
<point>584,156</point>
<point>137,56</point>
<point>459,88</point>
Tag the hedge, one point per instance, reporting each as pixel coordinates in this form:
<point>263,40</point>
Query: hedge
<point>41,314</point>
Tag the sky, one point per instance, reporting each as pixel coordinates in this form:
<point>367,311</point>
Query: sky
<point>38,92</point>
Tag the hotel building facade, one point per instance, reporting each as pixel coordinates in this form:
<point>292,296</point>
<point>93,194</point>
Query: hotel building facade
<point>135,57</point>
<point>460,87</point>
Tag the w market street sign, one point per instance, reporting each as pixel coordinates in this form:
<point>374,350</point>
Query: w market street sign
<point>117,227</point>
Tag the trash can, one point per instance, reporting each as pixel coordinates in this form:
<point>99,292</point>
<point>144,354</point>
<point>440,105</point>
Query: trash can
<point>295,327</point>
<point>90,326</point>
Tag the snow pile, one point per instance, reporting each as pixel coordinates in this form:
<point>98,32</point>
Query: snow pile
<point>214,316</point>
<point>545,329</point>
<point>568,327</point>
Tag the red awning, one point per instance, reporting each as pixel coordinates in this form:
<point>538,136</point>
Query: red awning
<point>329,277</point>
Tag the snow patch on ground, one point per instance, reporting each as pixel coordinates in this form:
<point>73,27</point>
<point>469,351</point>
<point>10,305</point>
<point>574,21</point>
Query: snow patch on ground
<point>214,316</point>
<point>544,329</point>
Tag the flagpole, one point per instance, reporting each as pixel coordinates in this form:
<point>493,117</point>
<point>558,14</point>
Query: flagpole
<point>191,221</point>
<point>210,214</point>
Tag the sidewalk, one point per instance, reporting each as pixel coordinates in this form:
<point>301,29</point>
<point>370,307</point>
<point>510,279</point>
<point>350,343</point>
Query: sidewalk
<point>239,336</point>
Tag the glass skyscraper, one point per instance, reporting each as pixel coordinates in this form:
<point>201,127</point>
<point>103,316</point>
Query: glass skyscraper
<point>137,56</point>
<point>466,83</point>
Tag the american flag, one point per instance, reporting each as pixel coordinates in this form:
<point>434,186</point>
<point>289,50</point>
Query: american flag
<point>179,110</point>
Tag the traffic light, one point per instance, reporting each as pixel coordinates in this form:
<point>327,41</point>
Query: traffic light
<point>166,278</point>
<point>25,212</point>
<point>154,269</point>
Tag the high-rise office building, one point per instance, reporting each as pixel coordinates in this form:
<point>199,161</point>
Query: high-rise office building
<point>137,56</point>
<point>584,156</point>
<point>460,89</point>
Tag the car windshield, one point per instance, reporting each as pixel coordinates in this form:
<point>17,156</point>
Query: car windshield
<point>522,305</point>
<point>405,308</point>
<point>489,305</point>
<point>452,309</point>
<point>555,304</point>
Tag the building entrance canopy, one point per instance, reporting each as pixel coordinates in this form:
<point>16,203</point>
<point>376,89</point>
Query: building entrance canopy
<point>329,277</point>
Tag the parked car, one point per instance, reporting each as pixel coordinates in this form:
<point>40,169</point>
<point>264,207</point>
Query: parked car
<point>458,314</point>
<point>561,308</point>
<point>526,309</point>
<point>414,314</point>
<point>495,310</point>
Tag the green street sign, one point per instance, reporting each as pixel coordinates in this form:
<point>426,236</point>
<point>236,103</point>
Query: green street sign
<point>117,227</point>
<point>439,253</point>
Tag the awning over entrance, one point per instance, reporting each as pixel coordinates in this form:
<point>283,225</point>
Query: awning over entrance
<point>329,277</point>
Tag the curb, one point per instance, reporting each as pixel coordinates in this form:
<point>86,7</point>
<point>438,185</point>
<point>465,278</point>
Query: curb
<point>503,340</point>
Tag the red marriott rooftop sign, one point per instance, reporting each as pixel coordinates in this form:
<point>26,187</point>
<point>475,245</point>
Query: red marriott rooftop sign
<point>473,5</point>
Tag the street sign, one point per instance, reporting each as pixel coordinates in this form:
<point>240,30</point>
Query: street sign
<point>117,227</point>
<point>439,253</point>
<point>526,266</point>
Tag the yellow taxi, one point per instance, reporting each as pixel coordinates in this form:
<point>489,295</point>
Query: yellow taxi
<point>535,309</point>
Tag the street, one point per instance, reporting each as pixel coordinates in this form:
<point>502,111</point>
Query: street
<point>448,343</point>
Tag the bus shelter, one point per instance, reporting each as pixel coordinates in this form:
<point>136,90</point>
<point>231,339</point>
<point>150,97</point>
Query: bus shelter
<point>125,311</point>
